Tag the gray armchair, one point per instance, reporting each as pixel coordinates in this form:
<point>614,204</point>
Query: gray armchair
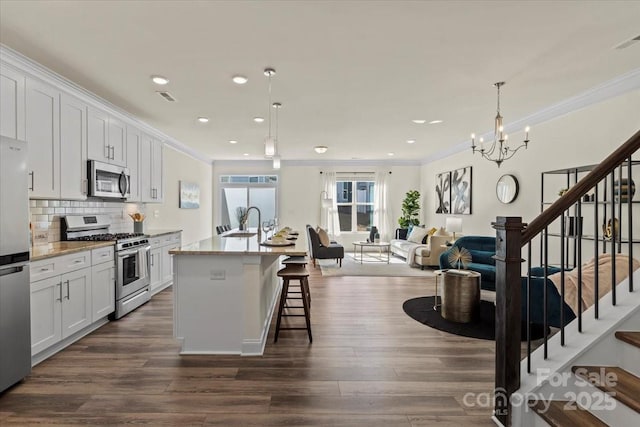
<point>318,251</point>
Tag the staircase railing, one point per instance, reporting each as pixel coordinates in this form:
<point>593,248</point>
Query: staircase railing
<point>512,235</point>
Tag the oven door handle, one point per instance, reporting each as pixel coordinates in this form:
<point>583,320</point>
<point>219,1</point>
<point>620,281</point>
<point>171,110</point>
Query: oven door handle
<point>123,254</point>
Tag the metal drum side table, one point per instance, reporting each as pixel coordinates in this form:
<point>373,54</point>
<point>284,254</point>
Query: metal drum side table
<point>460,295</point>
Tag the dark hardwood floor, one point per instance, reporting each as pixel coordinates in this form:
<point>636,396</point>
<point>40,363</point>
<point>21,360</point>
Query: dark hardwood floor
<point>369,365</point>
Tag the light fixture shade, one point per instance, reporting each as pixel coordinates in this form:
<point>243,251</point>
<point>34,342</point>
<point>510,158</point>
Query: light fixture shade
<point>327,202</point>
<point>269,147</point>
<point>453,224</point>
<point>276,162</point>
<point>320,149</point>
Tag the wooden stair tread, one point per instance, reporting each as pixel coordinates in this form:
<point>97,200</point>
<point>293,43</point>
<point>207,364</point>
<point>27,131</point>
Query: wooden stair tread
<point>626,388</point>
<point>562,413</point>
<point>629,337</point>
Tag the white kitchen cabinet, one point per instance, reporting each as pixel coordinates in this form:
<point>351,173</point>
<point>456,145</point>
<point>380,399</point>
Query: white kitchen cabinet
<point>106,138</point>
<point>60,307</point>
<point>73,148</point>
<point>155,262</point>
<point>61,298</point>
<point>103,283</point>
<point>167,258</point>
<point>117,137</point>
<point>43,137</point>
<point>12,98</point>
<point>133,163</point>
<point>151,173</point>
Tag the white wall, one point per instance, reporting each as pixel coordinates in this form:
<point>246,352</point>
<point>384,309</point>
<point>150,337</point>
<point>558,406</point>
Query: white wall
<point>194,223</point>
<point>583,137</point>
<point>300,186</point>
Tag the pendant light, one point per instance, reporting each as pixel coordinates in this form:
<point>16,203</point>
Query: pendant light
<point>276,156</point>
<point>269,143</point>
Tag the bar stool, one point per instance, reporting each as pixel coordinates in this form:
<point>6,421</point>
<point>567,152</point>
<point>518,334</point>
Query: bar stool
<point>298,260</point>
<point>294,272</point>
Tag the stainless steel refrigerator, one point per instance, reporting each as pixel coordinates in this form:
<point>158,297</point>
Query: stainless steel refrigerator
<point>15,317</point>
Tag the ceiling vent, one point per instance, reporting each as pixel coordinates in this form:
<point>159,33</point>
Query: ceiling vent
<point>167,96</point>
<point>628,43</point>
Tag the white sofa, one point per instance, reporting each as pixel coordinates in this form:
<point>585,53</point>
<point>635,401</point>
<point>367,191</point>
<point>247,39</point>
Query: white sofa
<point>426,254</point>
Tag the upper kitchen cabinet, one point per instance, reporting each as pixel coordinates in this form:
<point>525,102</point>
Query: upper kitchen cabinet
<point>133,163</point>
<point>151,158</point>
<point>43,138</point>
<point>106,138</point>
<point>73,148</point>
<point>12,89</point>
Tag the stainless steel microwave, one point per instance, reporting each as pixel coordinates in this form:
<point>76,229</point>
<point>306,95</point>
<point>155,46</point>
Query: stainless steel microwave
<point>108,181</point>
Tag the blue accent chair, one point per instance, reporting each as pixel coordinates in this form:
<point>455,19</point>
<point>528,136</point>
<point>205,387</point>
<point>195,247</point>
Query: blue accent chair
<point>482,250</point>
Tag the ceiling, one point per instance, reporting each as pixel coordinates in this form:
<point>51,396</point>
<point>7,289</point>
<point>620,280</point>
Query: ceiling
<point>351,75</point>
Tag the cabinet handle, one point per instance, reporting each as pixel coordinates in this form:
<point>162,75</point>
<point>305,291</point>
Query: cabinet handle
<point>32,173</point>
<point>78,261</point>
<point>84,186</point>
<point>68,292</point>
<point>113,152</point>
<point>151,260</point>
<point>44,269</point>
<point>60,299</point>
<point>108,155</point>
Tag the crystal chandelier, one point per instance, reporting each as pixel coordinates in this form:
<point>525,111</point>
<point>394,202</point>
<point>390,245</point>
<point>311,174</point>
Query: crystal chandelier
<point>499,150</point>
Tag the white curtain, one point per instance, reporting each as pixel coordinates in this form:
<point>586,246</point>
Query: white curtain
<point>381,209</point>
<point>329,216</point>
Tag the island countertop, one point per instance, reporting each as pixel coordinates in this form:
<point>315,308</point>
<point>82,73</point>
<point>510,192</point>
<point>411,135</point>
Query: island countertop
<point>219,245</point>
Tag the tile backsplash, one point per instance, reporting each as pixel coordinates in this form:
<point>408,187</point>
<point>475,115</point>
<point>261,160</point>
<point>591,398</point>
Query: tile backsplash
<point>47,214</point>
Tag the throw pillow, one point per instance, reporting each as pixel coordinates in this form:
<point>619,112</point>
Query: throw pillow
<point>417,234</point>
<point>324,237</point>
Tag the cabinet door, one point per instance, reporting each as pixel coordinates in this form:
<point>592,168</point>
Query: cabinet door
<point>156,269</point>
<point>76,301</point>
<point>167,264</point>
<point>43,137</point>
<point>103,291</point>
<point>12,103</point>
<point>97,131</point>
<point>146,194</point>
<point>133,164</point>
<point>73,148</point>
<point>46,320</point>
<point>156,170</point>
<point>117,137</point>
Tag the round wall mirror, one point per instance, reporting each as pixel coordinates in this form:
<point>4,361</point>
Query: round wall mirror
<point>507,188</point>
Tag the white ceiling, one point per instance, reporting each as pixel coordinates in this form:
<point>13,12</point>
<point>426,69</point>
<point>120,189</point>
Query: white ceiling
<point>350,75</point>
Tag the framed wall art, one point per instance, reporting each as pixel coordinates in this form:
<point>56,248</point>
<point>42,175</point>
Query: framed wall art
<point>461,191</point>
<point>443,193</point>
<point>189,195</point>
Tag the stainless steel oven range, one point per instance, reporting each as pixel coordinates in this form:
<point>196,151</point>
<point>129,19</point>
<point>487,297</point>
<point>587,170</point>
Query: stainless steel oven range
<point>131,258</point>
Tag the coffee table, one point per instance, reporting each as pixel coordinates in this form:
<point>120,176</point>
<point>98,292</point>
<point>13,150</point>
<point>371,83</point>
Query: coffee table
<point>383,247</point>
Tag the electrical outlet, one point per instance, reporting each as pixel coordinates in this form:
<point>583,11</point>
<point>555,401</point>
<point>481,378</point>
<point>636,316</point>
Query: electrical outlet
<point>218,274</point>
<point>156,214</point>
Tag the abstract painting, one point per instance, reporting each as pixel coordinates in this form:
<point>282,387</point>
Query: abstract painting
<point>443,193</point>
<point>461,191</point>
<point>189,195</point>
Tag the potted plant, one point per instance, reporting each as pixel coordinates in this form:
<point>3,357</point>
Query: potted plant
<point>410,210</point>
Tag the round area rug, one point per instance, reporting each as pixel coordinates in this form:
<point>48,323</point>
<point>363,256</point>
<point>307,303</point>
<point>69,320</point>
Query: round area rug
<point>484,327</point>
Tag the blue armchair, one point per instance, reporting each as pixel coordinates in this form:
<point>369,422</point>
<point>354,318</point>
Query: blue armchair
<point>482,250</point>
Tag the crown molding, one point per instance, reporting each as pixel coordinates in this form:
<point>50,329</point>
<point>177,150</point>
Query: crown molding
<point>619,85</point>
<point>16,60</point>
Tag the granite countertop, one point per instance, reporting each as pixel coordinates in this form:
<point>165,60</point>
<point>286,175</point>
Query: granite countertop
<point>63,248</point>
<point>219,245</point>
<point>160,232</point>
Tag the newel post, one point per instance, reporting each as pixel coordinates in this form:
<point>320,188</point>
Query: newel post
<point>508,302</point>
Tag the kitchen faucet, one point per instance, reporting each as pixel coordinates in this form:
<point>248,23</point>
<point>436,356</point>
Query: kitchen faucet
<point>246,218</point>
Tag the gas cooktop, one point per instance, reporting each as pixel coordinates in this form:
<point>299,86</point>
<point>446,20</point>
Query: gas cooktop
<point>108,236</point>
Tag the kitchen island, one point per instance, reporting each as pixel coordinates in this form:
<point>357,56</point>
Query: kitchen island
<point>225,292</point>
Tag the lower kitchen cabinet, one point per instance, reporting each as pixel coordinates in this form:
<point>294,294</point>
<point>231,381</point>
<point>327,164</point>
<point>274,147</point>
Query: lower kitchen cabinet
<point>155,262</point>
<point>103,293</point>
<point>161,261</point>
<point>60,307</point>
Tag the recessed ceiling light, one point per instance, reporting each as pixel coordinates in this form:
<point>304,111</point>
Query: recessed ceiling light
<point>258,119</point>
<point>320,149</point>
<point>435,122</point>
<point>159,80</point>
<point>245,154</point>
<point>419,121</point>
<point>233,141</point>
<point>240,80</point>
<point>390,154</point>
<point>203,119</point>
<point>411,141</point>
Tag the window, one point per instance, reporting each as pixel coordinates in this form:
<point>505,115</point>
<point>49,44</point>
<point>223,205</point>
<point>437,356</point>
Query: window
<point>244,191</point>
<point>355,204</point>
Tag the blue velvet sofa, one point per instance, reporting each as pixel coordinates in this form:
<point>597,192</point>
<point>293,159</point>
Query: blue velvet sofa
<point>482,250</point>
